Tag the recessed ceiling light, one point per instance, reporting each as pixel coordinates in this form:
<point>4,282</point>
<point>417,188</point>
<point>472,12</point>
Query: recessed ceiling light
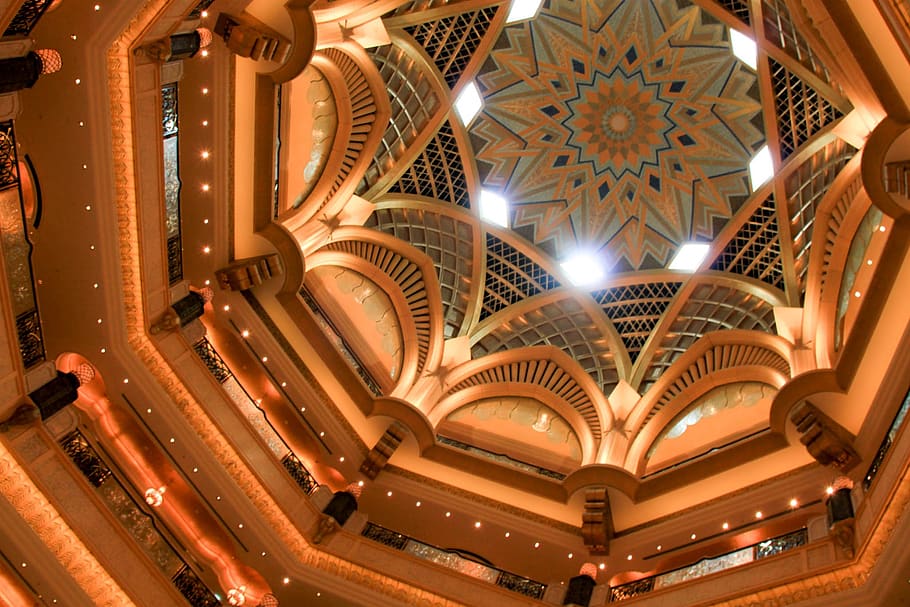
<point>537,544</point>
<point>508,534</point>
<point>417,504</point>
<point>690,256</point>
<point>468,103</point>
<point>744,48</point>
<point>448,514</point>
<point>761,168</point>
<point>477,525</point>
<point>494,208</point>
<point>523,9</point>
<point>758,514</point>
<point>725,526</point>
<point>628,557</point>
<point>602,566</point>
<point>583,269</point>
<point>794,503</point>
<point>693,536</point>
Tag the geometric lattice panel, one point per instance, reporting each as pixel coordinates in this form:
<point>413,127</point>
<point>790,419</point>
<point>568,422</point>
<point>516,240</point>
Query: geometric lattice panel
<point>448,242</point>
<point>780,30</point>
<point>563,324</point>
<point>710,307</point>
<point>412,100</point>
<point>801,110</point>
<point>805,189</point>
<point>635,310</point>
<point>511,277</point>
<point>437,172</point>
<point>755,250</point>
<point>451,41</point>
<point>739,9</point>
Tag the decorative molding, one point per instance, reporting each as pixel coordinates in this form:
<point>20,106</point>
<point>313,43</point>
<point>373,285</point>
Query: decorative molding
<point>30,503</point>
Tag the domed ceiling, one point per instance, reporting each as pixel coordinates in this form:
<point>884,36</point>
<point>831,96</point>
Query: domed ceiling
<point>622,128</point>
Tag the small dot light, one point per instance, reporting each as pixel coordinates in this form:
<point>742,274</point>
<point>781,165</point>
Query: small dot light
<point>389,494</point>
<point>659,548</point>
<point>97,7</point>
<point>148,410</point>
<point>794,503</point>
<point>417,504</point>
<point>25,564</point>
<point>286,580</point>
<point>265,359</point>
<point>73,36</point>
<point>204,14</point>
<point>284,384</point>
<point>360,483</point>
<point>322,434</point>
<point>448,514</point>
<point>227,308</point>
<point>205,90</point>
<point>126,380</point>
<point>262,553</point>
<point>693,536</point>
<point>881,228</point>
<point>857,294</point>
<point>205,221</point>
<point>628,557</point>
<point>477,525</point>
<point>829,490</point>
<point>245,333</point>
<point>204,52</point>
<point>84,166</point>
<point>206,187</point>
<point>758,514</point>
<point>508,534</point>
<point>206,249</point>
<point>240,526</point>
<point>95,285</point>
<point>602,566</point>
<point>88,207</point>
<point>725,526</point>
<point>100,321</point>
<point>341,459</point>
<point>103,350</point>
<point>205,123</point>
<point>571,555</point>
<point>537,544</point>
<point>81,123</point>
<point>197,470</point>
<point>205,154</point>
<point>78,81</point>
<point>173,440</point>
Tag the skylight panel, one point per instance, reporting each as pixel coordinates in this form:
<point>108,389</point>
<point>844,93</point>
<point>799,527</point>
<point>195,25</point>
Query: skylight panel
<point>690,256</point>
<point>583,269</point>
<point>468,103</point>
<point>523,9</point>
<point>494,208</point>
<point>761,168</point>
<point>744,48</point>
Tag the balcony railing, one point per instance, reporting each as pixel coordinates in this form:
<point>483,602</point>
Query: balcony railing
<point>883,449</point>
<point>140,525</point>
<point>17,251</point>
<point>454,560</point>
<point>27,17</point>
<point>170,139</point>
<point>254,415</point>
<point>704,567</point>
<point>501,458</point>
<point>339,342</point>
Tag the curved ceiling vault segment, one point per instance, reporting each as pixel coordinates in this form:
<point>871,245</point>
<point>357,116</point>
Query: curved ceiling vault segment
<point>415,277</point>
<point>545,367</point>
<point>450,237</point>
<point>721,357</point>
<point>362,113</point>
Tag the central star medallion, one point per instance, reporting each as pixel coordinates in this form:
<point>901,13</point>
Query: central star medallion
<point>619,123</point>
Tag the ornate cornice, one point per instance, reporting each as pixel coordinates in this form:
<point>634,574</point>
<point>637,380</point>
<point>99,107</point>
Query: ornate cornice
<point>30,503</point>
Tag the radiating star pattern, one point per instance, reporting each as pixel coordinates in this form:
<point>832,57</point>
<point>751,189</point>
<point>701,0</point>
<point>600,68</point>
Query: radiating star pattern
<point>642,144</point>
